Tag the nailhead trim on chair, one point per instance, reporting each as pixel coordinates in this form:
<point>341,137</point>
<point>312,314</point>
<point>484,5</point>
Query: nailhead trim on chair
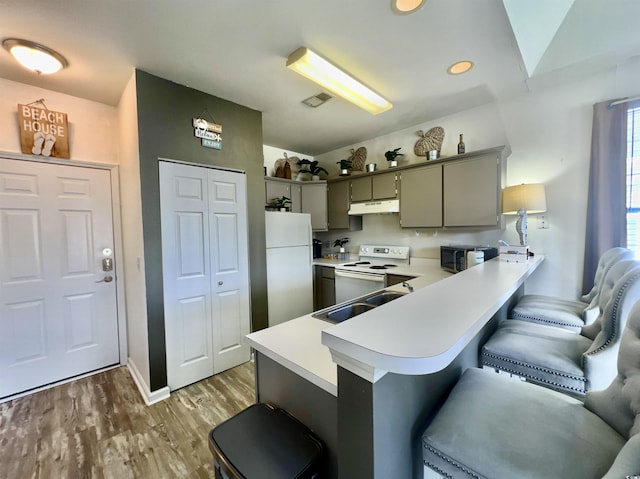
<point>538,368</point>
<point>535,319</point>
<point>452,462</point>
<point>616,305</point>
<point>437,469</point>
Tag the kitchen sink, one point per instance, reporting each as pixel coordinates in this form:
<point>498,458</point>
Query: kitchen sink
<point>384,297</point>
<point>342,312</point>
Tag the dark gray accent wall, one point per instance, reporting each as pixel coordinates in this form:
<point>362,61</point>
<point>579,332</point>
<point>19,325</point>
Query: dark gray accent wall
<point>165,113</point>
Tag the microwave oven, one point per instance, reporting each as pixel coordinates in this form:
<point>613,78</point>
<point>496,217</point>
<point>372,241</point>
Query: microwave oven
<point>454,258</point>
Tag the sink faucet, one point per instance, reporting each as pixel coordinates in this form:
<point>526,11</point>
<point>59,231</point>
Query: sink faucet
<point>408,286</point>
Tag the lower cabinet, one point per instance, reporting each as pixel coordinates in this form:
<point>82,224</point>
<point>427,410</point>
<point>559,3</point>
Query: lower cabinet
<point>397,278</point>
<point>324,287</point>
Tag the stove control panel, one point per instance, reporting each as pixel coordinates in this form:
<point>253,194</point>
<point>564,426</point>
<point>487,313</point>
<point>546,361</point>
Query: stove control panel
<point>379,251</point>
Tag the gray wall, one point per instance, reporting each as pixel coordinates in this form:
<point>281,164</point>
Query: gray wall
<point>165,112</point>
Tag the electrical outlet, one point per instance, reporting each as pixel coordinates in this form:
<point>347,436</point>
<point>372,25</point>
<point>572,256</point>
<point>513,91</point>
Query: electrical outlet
<point>543,222</point>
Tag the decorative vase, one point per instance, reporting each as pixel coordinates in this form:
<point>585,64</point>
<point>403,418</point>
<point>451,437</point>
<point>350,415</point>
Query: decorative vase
<point>344,172</point>
<point>342,249</point>
<point>315,178</point>
<point>393,163</point>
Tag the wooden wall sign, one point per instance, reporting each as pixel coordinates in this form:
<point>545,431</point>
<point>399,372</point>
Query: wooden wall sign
<point>43,132</point>
<point>209,133</point>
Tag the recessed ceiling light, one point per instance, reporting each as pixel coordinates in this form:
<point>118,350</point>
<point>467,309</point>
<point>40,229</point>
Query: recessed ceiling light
<point>34,56</point>
<point>460,67</point>
<point>404,7</point>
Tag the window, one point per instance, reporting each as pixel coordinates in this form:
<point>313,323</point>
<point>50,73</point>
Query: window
<point>633,179</point>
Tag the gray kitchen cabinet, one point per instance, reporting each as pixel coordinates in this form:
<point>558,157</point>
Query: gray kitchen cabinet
<point>306,197</point>
<point>421,197</point>
<point>313,200</point>
<point>374,187</point>
<point>277,187</point>
<point>396,279</point>
<point>472,190</point>
<point>361,189</point>
<point>338,202</point>
<point>462,191</point>
<point>324,287</point>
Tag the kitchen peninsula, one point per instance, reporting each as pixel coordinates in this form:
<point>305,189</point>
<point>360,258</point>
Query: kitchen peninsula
<point>369,385</point>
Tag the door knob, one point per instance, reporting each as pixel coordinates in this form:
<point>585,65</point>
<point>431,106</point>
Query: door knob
<point>220,283</point>
<point>106,279</point>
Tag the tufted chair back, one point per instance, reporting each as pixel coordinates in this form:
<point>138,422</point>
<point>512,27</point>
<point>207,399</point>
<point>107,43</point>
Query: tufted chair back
<point>620,291</point>
<point>619,404</point>
<point>606,261</point>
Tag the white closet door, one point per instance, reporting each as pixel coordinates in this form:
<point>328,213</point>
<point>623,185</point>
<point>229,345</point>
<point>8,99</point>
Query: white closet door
<point>202,247</point>
<point>230,268</point>
<point>58,315</point>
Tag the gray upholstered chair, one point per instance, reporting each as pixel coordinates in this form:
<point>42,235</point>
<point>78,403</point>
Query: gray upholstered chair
<point>494,427</point>
<point>559,359</point>
<point>566,313</point>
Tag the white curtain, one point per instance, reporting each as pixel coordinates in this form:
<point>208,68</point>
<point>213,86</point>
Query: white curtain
<point>606,207</point>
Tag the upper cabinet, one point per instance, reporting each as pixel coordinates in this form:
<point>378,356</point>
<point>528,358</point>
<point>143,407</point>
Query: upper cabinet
<point>306,197</point>
<point>380,186</point>
<point>458,191</point>
<point>421,197</point>
<point>338,202</point>
<point>472,191</point>
<point>464,191</point>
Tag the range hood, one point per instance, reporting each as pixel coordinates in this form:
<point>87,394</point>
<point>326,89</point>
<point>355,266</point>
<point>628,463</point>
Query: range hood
<point>375,207</point>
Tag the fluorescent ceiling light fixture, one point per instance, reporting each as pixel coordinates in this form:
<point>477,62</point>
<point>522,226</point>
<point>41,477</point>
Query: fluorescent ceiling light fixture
<point>324,73</point>
<point>461,67</point>
<point>35,57</point>
<point>404,7</point>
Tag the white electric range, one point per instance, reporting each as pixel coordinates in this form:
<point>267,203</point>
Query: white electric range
<point>368,274</point>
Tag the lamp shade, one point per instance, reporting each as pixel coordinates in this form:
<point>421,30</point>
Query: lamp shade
<point>530,198</point>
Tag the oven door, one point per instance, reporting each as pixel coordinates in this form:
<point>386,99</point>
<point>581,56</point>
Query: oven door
<point>351,284</point>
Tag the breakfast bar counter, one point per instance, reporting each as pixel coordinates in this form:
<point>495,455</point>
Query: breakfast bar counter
<point>369,385</point>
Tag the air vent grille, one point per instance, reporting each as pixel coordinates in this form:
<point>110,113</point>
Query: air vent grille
<point>316,100</point>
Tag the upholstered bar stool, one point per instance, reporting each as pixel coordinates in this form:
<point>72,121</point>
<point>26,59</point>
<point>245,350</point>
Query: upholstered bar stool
<point>562,360</point>
<point>566,313</point>
<point>493,427</point>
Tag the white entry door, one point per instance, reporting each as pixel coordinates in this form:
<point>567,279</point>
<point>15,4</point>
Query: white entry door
<point>205,271</point>
<point>58,314</point>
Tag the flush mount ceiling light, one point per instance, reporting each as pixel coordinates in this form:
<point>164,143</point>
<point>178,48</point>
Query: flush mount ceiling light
<point>324,73</point>
<point>404,7</point>
<point>35,57</point>
<point>461,67</point>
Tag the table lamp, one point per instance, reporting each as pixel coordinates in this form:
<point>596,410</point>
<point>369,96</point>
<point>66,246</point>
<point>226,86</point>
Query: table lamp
<point>520,200</point>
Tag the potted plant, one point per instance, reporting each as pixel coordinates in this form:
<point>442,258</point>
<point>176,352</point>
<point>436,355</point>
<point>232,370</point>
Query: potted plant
<point>315,170</point>
<point>345,166</point>
<point>282,203</point>
<point>391,157</point>
<point>304,173</point>
<point>340,242</point>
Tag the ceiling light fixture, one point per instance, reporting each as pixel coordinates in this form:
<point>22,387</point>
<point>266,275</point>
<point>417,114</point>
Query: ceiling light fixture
<point>324,73</point>
<point>461,67</point>
<point>404,7</point>
<point>35,57</point>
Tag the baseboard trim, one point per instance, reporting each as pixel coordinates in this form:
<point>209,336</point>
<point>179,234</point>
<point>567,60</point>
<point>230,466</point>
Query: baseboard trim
<point>148,396</point>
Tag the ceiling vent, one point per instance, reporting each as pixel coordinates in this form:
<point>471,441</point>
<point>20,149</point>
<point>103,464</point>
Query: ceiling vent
<point>316,100</point>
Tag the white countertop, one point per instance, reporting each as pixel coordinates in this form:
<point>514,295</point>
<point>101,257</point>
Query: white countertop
<point>424,331</point>
<point>420,333</point>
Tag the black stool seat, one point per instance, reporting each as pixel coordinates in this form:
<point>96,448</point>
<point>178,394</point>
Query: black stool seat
<point>263,442</point>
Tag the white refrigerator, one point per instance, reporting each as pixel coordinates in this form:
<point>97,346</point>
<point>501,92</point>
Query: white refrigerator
<point>289,265</point>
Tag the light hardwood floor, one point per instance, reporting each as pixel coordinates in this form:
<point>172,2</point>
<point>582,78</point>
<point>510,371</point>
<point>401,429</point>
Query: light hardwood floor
<point>99,427</point>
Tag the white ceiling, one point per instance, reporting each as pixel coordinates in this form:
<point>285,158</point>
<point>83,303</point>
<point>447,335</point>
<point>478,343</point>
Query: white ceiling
<point>237,49</point>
